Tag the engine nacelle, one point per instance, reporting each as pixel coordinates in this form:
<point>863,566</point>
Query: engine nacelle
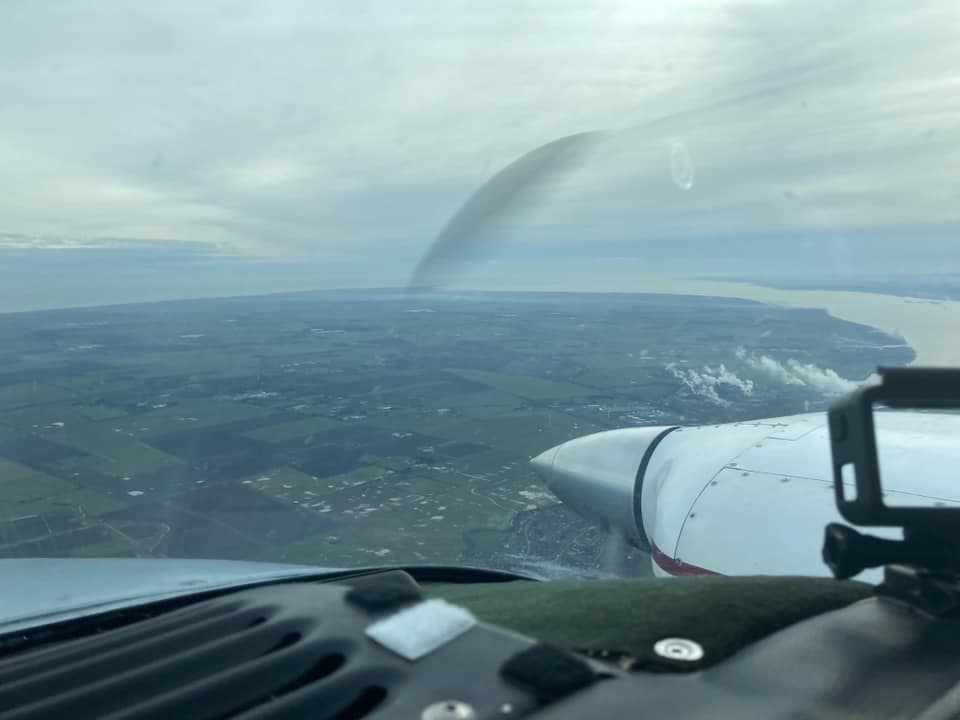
<point>742,498</point>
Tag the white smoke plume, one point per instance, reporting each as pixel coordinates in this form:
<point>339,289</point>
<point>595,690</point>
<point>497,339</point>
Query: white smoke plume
<point>793,372</point>
<point>705,383</point>
<point>728,377</point>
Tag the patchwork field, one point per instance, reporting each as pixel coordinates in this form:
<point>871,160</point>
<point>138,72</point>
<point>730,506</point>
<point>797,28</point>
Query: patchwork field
<point>360,428</point>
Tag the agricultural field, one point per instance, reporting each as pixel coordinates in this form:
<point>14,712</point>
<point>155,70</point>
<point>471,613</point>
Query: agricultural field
<point>365,428</point>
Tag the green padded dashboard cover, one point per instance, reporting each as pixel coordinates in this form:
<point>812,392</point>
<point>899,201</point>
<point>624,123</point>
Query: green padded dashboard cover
<point>621,620</point>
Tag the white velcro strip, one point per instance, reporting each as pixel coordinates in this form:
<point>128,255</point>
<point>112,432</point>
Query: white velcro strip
<point>419,630</point>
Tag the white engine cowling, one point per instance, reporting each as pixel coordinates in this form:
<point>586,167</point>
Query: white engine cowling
<point>742,498</point>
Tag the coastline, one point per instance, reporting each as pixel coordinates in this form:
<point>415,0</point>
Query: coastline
<point>931,328</point>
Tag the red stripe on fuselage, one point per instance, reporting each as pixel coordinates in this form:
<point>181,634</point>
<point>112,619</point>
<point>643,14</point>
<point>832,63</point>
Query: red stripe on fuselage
<point>676,567</point>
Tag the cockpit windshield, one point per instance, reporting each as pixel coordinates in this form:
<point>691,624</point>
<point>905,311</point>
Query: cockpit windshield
<point>214,342</point>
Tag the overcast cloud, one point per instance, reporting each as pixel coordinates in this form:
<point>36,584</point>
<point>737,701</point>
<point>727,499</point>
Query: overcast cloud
<point>328,143</point>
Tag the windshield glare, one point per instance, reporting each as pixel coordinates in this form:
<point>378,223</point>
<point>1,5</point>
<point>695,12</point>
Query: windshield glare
<point>212,212</point>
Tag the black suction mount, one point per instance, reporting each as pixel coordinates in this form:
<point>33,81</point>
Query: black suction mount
<point>924,567</point>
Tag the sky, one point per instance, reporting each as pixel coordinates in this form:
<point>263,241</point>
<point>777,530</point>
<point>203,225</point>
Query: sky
<point>181,149</point>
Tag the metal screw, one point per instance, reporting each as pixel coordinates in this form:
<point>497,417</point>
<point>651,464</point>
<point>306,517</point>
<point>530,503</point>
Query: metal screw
<point>448,710</point>
<point>679,649</point>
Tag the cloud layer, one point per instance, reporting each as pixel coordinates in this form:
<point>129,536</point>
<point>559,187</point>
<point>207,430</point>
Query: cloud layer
<point>348,134</point>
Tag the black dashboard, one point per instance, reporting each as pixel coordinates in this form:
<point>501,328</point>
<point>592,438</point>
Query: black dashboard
<point>382,645</point>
